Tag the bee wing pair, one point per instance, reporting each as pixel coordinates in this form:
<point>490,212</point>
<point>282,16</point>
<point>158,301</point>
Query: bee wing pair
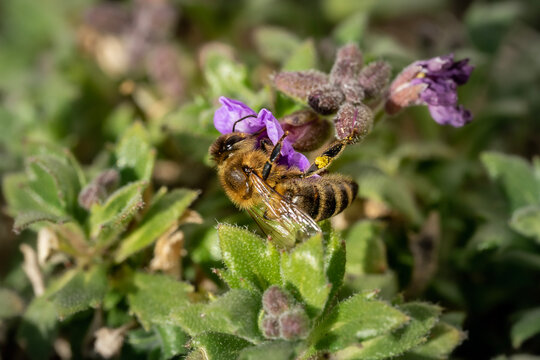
<point>284,222</point>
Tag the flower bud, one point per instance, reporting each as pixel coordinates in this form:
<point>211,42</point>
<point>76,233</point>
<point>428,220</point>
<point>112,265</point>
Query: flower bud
<point>275,301</point>
<point>299,84</point>
<point>353,91</point>
<point>91,194</point>
<point>347,64</point>
<point>326,99</point>
<point>270,327</point>
<point>294,324</point>
<point>108,179</point>
<point>374,78</point>
<point>307,131</point>
<point>353,122</point>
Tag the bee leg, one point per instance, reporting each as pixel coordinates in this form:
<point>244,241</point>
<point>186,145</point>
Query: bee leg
<point>273,157</point>
<point>325,159</point>
<point>241,119</point>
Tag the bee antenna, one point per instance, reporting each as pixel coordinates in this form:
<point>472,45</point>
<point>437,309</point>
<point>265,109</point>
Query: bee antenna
<point>243,118</point>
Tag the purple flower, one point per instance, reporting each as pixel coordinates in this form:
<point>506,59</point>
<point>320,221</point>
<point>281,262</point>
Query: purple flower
<point>233,110</point>
<point>433,83</point>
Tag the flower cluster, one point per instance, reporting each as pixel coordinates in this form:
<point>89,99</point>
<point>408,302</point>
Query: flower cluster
<point>263,123</point>
<point>433,83</point>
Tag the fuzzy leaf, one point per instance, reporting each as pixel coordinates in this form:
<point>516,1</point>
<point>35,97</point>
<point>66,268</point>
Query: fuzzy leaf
<point>304,57</point>
<point>10,304</point>
<point>173,340</point>
<point>162,214</point>
<point>235,313</point>
<point>156,296</point>
<point>27,218</point>
<point>38,328</point>
<point>356,319</point>
<point>84,289</point>
<point>366,253</point>
<point>334,258</point>
<point>516,176</point>
<point>111,218</point>
<point>527,326</point>
<point>423,319</point>
<point>134,155</point>
<point>218,346</point>
<point>280,349</point>
<point>442,340</point>
<point>526,221</point>
<point>304,275</point>
<point>251,262</point>
<point>385,283</point>
<point>51,170</point>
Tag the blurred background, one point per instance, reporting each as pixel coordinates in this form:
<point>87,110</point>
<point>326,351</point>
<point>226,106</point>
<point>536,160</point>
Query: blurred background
<point>78,73</point>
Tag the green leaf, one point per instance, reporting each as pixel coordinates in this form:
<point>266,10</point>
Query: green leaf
<point>526,221</point>
<point>111,218</point>
<point>173,340</point>
<point>303,273</point>
<point>527,326</point>
<point>275,44</point>
<point>366,252</point>
<point>391,190</point>
<point>10,304</point>
<point>516,176</point>
<point>356,319</point>
<point>304,57</point>
<point>60,174</point>
<point>235,313</point>
<point>251,262</point>
<point>38,328</point>
<point>334,258</point>
<point>156,296</point>
<point>274,350</point>
<point>134,155</point>
<point>386,284</point>
<point>83,289</point>
<point>27,218</point>
<point>423,319</point>
<point>442,340</point>
<point>163,214</point>
<point>352,29</point>
<point>217,346</point>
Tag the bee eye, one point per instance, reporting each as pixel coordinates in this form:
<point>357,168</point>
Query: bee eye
<point>228,146</point>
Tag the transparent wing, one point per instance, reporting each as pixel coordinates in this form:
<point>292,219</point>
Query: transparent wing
<point>284,222</point>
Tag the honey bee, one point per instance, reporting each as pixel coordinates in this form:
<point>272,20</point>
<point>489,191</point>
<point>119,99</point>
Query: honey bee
<point>285,202</point>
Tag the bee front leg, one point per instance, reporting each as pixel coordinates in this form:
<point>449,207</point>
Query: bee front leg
<point>273,157</point>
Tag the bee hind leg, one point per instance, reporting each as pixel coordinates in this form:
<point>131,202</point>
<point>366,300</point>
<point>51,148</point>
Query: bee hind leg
<point>331,153</point>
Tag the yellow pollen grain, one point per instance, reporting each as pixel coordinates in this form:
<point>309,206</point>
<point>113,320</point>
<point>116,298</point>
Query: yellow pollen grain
<point>322,161</point>
<point>421,75</point>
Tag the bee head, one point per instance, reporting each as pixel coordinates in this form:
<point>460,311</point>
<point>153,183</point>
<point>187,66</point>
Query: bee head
<point>226,144</point>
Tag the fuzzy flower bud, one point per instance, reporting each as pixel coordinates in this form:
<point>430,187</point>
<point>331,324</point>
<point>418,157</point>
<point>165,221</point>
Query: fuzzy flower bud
<point>108,179</point>
<point>294,324</point>
<point>307,131</point>
<point>98,190</point>
<point>347,64</point>
<point>275,301</point>
<point>353,122</point>
<point>299,84</point>
<point>326,99</point>
<point>270,327</point>
<point>374,78</point>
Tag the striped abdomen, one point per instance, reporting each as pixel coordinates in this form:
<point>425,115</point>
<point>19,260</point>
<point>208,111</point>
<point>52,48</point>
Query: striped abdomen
<point>321,197</point>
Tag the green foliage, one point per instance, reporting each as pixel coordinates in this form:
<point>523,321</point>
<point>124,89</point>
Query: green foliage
<point>130,88</point>
<point>79,290</point>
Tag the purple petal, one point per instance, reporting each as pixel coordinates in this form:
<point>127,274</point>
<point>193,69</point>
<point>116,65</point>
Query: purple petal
<point>273,128</point>
<point>233,110</point>
<point>455,116</point>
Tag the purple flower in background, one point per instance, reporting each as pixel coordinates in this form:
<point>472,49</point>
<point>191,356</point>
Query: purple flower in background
<point>433,83</point>
<point>233,110</point>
